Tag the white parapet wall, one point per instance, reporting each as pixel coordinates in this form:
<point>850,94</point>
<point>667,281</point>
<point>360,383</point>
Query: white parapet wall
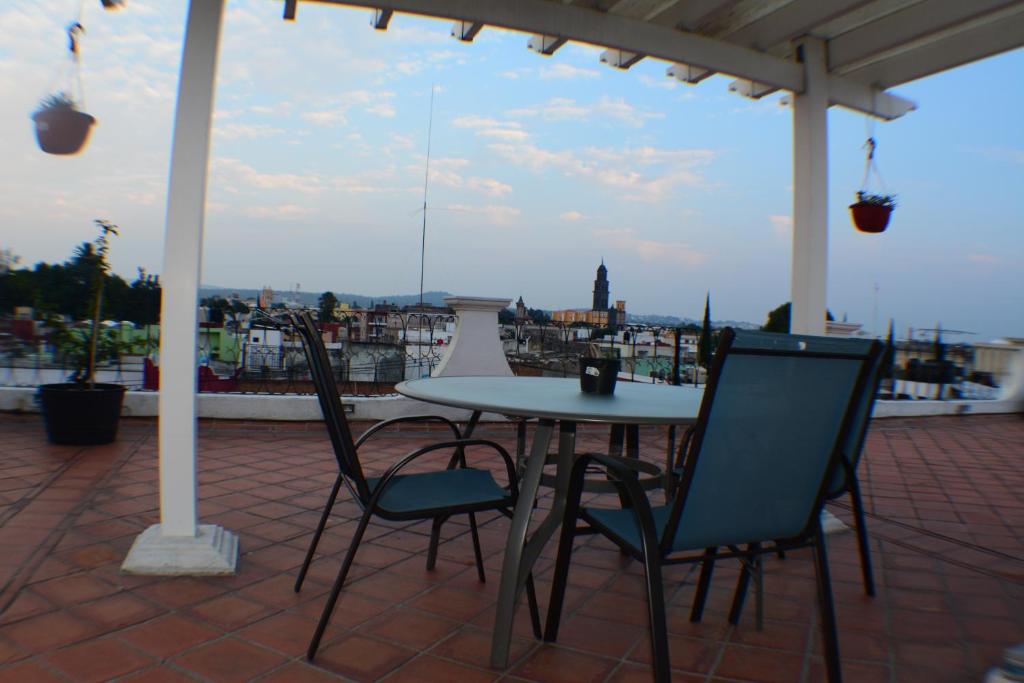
<point>304,407</point>
<point>297,408</point>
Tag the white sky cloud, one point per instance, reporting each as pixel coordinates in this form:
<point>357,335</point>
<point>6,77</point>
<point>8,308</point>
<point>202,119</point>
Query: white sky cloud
<point>637,173</point>
<point>278,211</point>
<point>564,71</point>
<point>675,253</point>
<point>571,216</point>
<point>567,108</point>
<point>496,214</point>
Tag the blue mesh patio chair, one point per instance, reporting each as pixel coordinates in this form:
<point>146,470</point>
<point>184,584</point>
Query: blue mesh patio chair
<point>396,496</point>
<point>845,481</point>
<point>761,462</point>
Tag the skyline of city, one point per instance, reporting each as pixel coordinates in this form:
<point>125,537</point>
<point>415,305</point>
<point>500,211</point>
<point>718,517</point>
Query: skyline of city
<point>541,167</point>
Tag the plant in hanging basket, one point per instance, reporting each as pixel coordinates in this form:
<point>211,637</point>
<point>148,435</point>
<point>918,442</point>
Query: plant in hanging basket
<point>60,127</point>
<point>871,212</point>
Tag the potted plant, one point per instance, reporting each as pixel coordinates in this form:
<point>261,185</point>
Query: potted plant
<point>871,211</point>
<point>60,127</point>
<point>83,411</point>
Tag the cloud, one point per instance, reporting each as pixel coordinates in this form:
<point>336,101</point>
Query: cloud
<point>498,214</point>
<point>517,73</point>
<point>563,71</point>
<point>492,128</point>
<point>984,259</point>
<point>489,186</point>
<point>335,113</point>
<point>229,173</point>
<point>234,131</point>
<point>664,83</point>
<point>279,211</point>
<point>571,216</point>
<point>445,170</point>
<point>651,251</point>
<point>563,108</point>
<point>782,226</point>
<point>475,121</point>
<point>638,173</point>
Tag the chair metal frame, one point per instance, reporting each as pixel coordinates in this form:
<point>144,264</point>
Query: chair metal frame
<point>654,552</point>
<point>369,499</point>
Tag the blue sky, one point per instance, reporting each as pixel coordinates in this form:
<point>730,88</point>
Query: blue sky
<point>540,167</point>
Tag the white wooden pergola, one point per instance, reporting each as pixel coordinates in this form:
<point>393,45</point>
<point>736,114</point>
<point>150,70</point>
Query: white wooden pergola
<point>824,52</point>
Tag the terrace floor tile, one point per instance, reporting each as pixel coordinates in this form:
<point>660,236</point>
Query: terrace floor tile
<point>944,500</point>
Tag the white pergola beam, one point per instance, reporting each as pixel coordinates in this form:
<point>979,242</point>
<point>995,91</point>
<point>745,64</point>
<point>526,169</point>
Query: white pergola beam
<point>466,30</point>
<point>791,21</point>
<point>381,19</point>
<point>842,92</point>
<point>690,14</point>
<point>620,59</point>
<point>687,73</point>
<point>544,44</point>
<point>544,18</point>
<point>916,22</point>
<point>962,47</point>
<point>845,92</point>
<point>696,57</point>
<point>751,89</point>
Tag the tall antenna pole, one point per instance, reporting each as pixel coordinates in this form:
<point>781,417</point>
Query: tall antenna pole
<point>426,183</point>
<point>423,239</point>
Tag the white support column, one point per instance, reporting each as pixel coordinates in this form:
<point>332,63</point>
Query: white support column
<point>810,194</point>
<point>178,545</point>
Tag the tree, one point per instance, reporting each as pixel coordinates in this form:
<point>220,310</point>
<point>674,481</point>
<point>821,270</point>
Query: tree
<point>144,299</point>
<point>538,316</point>
<point>506,316</point>
<point>778,318</point>
<point>216,307</point>
<point>704,344</point>
<point>327,304</point>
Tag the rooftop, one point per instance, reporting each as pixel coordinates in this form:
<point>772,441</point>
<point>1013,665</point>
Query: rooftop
<point>946,514</point>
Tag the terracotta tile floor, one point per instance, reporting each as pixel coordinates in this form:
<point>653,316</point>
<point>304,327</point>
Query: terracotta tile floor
<point>946,502</point>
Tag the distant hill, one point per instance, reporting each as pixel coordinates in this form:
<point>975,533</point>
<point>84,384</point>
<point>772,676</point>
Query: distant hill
<point>311,298</point>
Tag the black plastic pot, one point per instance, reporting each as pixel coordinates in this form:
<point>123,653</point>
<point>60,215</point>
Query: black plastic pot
<point>598,375</point>
<point>79,416</point>
<point>62,130</point>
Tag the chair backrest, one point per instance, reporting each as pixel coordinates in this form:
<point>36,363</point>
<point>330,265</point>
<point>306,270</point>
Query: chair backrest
<point>864,403</point>
<point>771,430</point>
<point>330,403</point>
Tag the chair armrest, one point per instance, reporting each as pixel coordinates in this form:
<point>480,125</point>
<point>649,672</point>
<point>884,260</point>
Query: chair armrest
<point>384,424</point>
<point>459,444</point>
<point>684,446</point>
<point>624,473</point>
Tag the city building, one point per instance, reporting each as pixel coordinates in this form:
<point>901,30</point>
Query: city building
<point>600,313</point>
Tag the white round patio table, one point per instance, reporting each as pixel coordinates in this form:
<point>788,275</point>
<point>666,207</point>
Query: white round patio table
<point>551,400</point>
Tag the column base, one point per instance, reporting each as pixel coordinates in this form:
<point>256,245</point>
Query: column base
<point>213,551</point>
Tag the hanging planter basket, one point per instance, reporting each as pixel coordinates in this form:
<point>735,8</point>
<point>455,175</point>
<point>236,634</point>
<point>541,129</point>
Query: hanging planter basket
<point>60,128</point>
<point>871,213</point>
